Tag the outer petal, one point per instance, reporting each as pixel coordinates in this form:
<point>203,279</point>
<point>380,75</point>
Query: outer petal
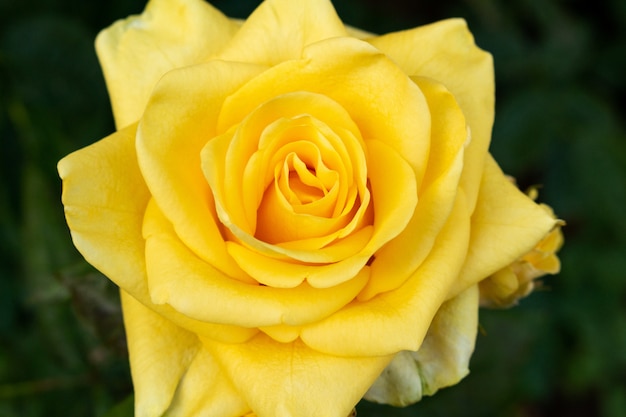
<point>401,256</point>
<point>278,30</point>
<point>105,198</point>
<point>441,361</point>
<point>179,120</point>
<point>135,52</point>
<point>445,51</point>
<point>403,315</point>
<point>505,225</point>
<point>160,353</point>
<point>290,379</point>
<point>206,391</point>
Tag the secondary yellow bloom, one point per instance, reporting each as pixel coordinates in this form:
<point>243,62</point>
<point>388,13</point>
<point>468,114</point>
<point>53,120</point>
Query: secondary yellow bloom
<point>508,285</point>
<point>287,203</point>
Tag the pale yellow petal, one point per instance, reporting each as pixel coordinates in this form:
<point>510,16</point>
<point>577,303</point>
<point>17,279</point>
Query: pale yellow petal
<point>400,317</point>
<point>178,122</point>
<point>445,51</point>
<point>359,33</point>
<point>160,353</point>
<point>441,361</point>
<point>505,225</point>
<point>290,379</point>
<point>206,391</point>
<point>136,52</point>
<point>105,199</point>
<point>445,355</point>
<point>278,30</point>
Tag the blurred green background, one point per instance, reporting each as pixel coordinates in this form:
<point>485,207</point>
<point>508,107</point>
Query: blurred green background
<point>561,85</point>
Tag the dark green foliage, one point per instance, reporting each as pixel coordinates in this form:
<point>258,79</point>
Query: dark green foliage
<point>560,97</point>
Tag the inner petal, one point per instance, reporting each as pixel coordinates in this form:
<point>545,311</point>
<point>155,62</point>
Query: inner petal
<point>279,223</point>
<point>302,201</point>
<point>301,181</point>
<point>304,185</point>
<point>291,178</point>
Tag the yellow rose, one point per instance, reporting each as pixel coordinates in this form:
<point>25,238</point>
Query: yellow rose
<point>287,202</point>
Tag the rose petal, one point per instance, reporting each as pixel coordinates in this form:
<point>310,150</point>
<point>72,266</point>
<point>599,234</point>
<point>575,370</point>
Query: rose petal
<point>505,225</point>
<point>159,351</point>
<point>290,379</point>
<point>446,352</point>
<point>402,316</point>
<point>105,198</point>
<point>278,30</point>
<point>241,166</point>
<point>282,333</point>
<point>202,292</point>
<point>284,273</point>
<point>402,255</point>
<point>394,193</point>
<point>441,361</point>
<point>359,33</point>
<point>392,183</point>
<point>367,84</point>
<point>206,391</point>
<point>242,156</point>
<point>445,51</point>
<point>135,52</point>
<point>178,122</point>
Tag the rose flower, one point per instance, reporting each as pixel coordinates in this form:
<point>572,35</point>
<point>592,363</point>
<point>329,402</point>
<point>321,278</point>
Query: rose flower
<point>289,203</point>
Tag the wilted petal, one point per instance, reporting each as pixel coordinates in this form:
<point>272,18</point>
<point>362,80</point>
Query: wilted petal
<point>441,361</point>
